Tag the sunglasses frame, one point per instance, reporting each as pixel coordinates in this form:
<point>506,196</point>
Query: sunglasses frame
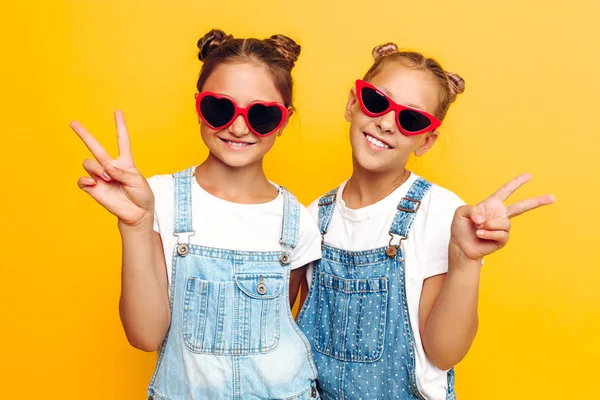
<point>243,111</point>
<point>434,123</point>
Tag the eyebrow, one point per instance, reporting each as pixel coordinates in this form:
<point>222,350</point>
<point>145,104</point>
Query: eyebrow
<point>387,93</point>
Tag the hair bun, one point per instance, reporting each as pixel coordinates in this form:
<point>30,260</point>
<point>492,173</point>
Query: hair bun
<point>286,47</point>
<point>383,50</point>
<point>211,41</point>
<point>455,83</point>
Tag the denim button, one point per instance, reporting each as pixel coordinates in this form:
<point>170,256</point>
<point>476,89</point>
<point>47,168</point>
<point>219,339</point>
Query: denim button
<point>391,252</point>
<point>284,259</point>
<point>261,288</point>
<point>182,250</point>
<point>313,392</point>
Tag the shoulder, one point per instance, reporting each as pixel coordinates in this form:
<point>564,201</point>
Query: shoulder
<point>313,208</point>
<point>160,183</point>
<point>440,202</point>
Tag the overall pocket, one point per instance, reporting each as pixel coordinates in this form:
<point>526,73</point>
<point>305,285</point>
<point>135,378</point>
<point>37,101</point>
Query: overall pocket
<point>351,317</point>
<point>239,317</point>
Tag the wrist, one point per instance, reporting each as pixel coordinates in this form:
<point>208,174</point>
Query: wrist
<point>458,259</point>
<point>144,225</point>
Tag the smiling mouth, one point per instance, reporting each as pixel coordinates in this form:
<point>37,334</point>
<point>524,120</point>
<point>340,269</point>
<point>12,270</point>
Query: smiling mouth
<point>237,144</point>
<point>376,142</point>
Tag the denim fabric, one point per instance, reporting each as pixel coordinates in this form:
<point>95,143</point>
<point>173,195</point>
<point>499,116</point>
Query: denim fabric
<point>356,314</point>
<point>232,335</point>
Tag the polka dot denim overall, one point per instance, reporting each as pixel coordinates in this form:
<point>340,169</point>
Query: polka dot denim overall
<point>232,335</point>
<point>356,314</point>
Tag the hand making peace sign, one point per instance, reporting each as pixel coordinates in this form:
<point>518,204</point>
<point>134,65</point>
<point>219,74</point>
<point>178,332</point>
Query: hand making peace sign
<point>482,229</point>
<point>116,184</point>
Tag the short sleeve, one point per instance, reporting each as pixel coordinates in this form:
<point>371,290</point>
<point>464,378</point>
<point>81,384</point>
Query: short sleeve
<point>441,208</point>
<point>161,186</point>
<point>308,248</point>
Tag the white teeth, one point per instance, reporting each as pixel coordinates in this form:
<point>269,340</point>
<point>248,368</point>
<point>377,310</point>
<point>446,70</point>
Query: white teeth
<point>376,142</point>
<point>237,144</point>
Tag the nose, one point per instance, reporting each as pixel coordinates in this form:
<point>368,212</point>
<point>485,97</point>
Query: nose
<point>387,122</point>
<point>239,128</point>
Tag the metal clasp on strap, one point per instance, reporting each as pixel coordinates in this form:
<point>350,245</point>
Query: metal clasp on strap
<point>392,250</point>
<point>183,242</point>
<point>408,209</point>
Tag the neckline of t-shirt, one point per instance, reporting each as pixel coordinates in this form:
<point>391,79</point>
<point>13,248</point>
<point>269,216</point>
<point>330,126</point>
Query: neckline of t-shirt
<point>382,206</point>
<point>196,187</point>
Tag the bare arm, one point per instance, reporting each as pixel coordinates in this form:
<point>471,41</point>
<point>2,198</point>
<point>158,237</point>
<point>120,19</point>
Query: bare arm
<point>144,304</point>
<point>448,318</point>
<point>297,279</point>
<point>120,188</point>
<point>448,309</point>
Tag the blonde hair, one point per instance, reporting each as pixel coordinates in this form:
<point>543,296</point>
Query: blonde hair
<point>450,84</point>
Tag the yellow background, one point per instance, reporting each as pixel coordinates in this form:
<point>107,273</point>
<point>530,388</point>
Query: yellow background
<point>531,104</point>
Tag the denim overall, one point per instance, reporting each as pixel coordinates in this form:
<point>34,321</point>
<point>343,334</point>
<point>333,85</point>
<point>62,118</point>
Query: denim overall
<point>356,314</point>
<point>232,334</point>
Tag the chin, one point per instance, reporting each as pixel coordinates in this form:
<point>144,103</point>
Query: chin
<point>235,160</point>
<point>371,162</point>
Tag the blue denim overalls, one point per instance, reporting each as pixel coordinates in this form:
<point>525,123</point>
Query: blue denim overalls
<point>232,335</point>
<point>356,314</point>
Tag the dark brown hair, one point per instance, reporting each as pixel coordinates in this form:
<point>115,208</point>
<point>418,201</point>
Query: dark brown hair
<point>278,53</point>
<point>450,84</point>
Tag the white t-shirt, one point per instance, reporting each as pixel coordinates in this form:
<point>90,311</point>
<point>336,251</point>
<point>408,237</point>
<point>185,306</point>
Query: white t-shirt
<point>222,224</point>
<point>425,253</point>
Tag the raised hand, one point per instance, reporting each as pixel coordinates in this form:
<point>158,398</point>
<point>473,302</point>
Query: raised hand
<point>482,229</point>
<point>115,183</point>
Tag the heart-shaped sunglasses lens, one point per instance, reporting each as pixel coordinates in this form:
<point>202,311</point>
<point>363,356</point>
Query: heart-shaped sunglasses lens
<point>217,112</point>
<point>264,119</point>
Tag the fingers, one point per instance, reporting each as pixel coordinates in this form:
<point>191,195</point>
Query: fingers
<point>94,168</point>
<point>494,229</point>
<point>91,143</point>
<point>123,136</point>
<point>497,236</point>
<point>477,215</point>
<point>523,206</point>
<point>498,224</point>
<point>85,182</point>
<point>511,186</point>
<point>120,175</point>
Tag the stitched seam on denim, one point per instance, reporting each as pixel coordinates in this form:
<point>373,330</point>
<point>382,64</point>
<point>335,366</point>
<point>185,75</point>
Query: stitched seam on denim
<point>359,259</point>
<point>291,216</point>
<point>343,353</point>
<point>219,344</point>
<point>235,255</point>
<point>341,380</point>
<point>297,329</point>
<point>237,390</point>
<point>253,277</point>
<point>403,220</point>
<point>183,201</point>
<point>325,278</point>
<point>157,396</point>
<point>243,341</point>
<point>326,210</point>
<point>163,347</point>
<point>408,336</point>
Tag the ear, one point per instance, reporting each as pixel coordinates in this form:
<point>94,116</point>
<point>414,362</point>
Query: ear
<point>429,141</point>
<point>287,120</point>
<point>352,99</point>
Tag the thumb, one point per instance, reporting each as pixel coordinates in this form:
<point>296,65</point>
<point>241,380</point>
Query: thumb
<point>474,213</point>
<point>477,215</point>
